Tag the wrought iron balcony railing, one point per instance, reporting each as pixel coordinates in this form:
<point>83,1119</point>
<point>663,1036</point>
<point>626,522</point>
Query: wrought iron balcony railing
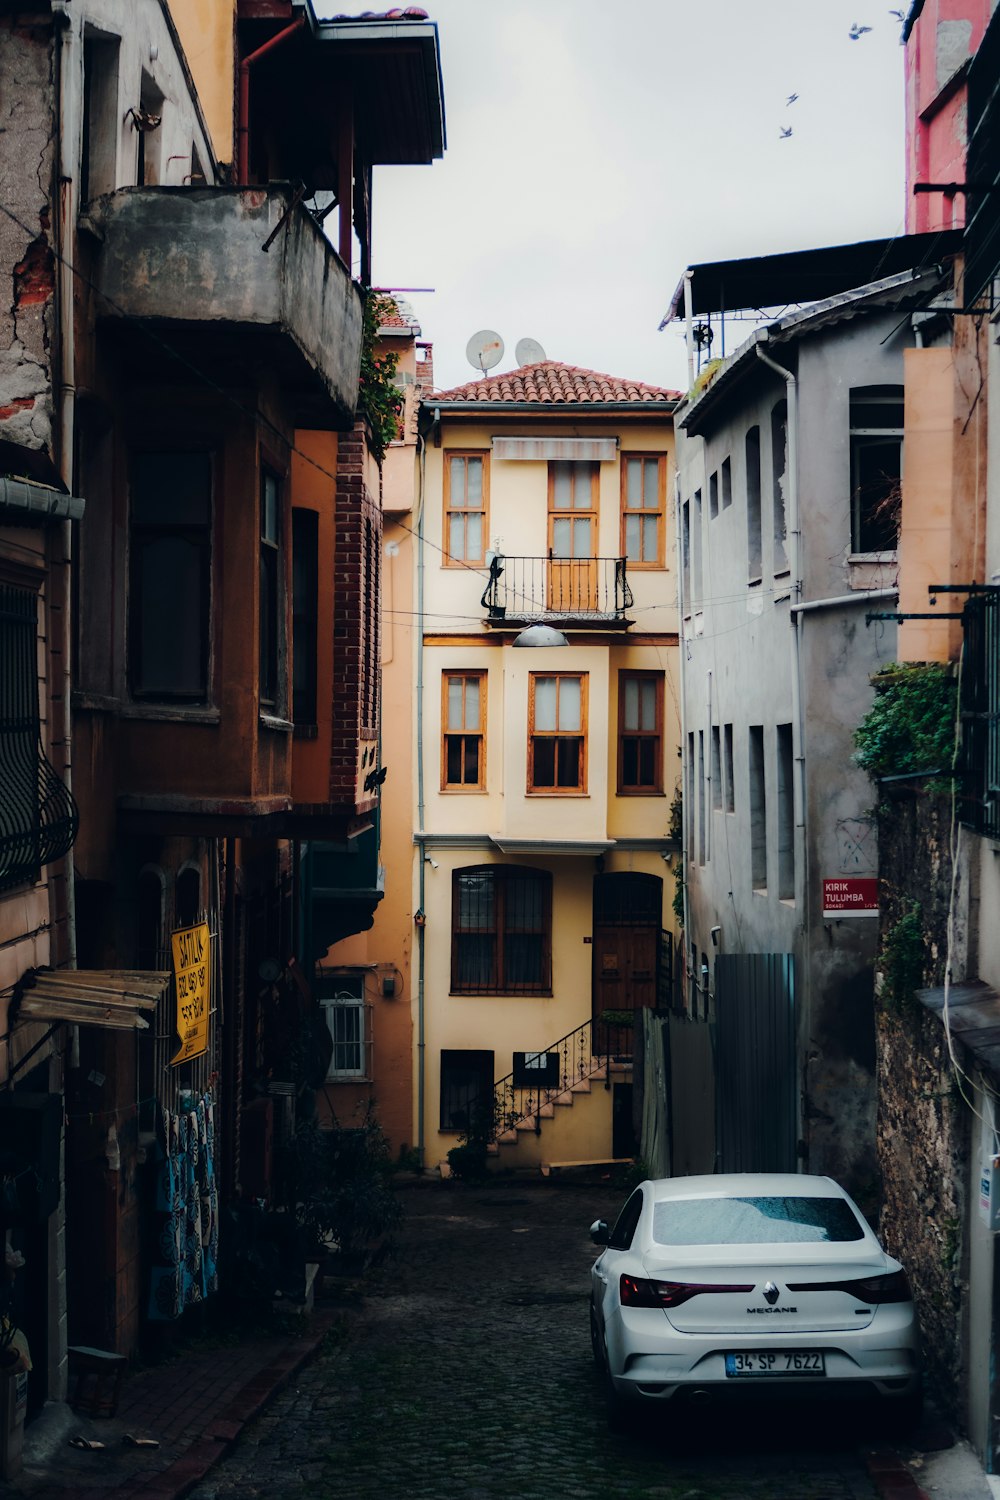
<point>531,589</point>
<point>544,1077</point>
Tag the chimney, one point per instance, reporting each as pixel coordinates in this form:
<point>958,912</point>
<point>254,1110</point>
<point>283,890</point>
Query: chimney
<point>425,368</point>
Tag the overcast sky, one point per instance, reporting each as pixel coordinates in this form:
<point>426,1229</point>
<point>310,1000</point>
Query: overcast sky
<point>595,150</point>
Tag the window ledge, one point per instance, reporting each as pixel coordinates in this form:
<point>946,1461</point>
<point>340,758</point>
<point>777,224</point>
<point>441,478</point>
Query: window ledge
<point>271,721</point>
<point>170,713</point>
<point>871,570</point>
<point>501,994</point>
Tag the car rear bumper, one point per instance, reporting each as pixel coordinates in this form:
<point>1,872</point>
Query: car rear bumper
<point>889,1373</point>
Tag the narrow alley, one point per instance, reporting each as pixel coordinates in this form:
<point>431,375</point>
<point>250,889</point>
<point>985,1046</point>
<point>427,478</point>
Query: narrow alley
<point>467,1373</point>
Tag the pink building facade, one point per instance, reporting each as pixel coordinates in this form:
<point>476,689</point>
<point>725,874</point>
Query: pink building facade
<point>941,38</point>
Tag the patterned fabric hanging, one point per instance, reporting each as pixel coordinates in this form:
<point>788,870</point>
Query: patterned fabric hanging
<point>186,1213</point>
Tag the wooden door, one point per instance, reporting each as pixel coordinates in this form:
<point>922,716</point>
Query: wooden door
<point>572,532</point>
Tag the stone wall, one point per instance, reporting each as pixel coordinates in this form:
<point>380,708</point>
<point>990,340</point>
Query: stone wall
<point>923,1123</point>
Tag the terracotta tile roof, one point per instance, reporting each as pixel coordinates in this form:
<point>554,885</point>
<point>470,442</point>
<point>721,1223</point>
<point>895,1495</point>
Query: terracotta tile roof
<point>553,384</point>
<point>397,314</point>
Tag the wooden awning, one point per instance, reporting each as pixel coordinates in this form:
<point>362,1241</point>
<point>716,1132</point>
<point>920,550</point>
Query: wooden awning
<point>120,999</point>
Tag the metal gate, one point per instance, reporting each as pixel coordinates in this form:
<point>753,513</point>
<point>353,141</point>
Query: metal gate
<point>756,1090</point>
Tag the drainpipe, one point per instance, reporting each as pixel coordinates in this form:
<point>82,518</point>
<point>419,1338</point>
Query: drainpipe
<point>422,876</point>
<point>794,564</point>
<point>685,777</point>
<point>798,728</point>
<point>243,119</point>
<point>65,218</point>
<point>689,325</point>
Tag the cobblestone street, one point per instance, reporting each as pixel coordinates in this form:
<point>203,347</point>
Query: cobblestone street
<point>467,1373</point>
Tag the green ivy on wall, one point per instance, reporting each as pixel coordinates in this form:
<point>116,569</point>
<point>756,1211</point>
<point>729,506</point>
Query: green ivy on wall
<point>380,401</point>
<point>901,961</point>
<point>910,727</point>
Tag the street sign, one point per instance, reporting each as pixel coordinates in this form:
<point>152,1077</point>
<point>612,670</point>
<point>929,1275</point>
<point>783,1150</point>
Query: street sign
<point>192,953</point>
<point>850,897</point>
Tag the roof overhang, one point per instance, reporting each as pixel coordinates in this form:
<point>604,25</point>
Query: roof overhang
<point>392,69</point>
<point>803,276</point>
<point>586,847</point>
<point>972,1017</point>
<point>114,999</point>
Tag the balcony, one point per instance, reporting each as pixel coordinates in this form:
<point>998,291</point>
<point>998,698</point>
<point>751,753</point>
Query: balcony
<point>557,590</point>
<point>226,275</point>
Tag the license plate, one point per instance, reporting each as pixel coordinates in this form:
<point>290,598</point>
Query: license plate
<point>780,1362</point>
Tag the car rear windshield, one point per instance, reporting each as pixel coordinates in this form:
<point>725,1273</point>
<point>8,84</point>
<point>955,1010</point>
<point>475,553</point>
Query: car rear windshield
<point>754,1221</point>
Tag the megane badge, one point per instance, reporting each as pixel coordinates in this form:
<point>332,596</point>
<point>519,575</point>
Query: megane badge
<point>771,1293</point>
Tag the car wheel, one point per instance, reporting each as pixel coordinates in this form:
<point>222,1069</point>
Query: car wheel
<point>904,1412</point>
<point>595,1339</point>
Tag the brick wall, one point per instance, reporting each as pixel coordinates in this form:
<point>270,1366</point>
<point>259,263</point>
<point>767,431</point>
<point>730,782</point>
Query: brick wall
<point>356,617</point>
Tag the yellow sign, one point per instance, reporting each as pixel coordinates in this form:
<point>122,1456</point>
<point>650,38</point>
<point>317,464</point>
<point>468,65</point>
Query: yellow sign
<point>192,948</point>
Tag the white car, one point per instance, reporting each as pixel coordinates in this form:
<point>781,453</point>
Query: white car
<point>749,1285</point>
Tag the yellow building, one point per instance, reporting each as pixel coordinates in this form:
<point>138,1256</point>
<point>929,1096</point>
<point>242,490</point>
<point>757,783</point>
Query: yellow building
<point>544,776</point>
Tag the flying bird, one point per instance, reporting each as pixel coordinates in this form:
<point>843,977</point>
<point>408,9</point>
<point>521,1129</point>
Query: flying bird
<point>791,98</point>
<point>899,15</point>
<point>857,31</point>
<point>786,131</point>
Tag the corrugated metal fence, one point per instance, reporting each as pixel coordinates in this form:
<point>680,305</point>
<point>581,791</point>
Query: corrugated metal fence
<point>756,1075</point>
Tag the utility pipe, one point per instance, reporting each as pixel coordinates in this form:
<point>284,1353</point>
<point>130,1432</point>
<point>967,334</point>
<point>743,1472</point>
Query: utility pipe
<point>798,727</point>
<point>841,600</point>
<point>422,871</point>
<point>243,123</point>
<point>685,776</point>
<point>65,220</point>
<point>689,324</point>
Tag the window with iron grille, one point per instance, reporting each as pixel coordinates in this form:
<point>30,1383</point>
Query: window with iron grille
<point>501,931</point>
<point>342,997</point>
<point>981,714</point>
<point>38,817</point>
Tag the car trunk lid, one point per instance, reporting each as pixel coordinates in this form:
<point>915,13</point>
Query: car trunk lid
<point>768,1293</point>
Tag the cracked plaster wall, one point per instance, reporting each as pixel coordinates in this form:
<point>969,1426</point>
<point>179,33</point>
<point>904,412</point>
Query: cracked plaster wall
<point>27,265</point>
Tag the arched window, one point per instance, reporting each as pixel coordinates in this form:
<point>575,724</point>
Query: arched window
<point>501,930</point>
<point>187,896</point>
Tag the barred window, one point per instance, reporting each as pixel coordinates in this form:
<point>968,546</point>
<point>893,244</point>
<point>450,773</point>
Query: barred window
<point>501,931</point>
<point>342,997</point>
<point>38,817</point>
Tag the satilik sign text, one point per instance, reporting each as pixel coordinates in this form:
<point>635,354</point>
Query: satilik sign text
<point>192,951</point>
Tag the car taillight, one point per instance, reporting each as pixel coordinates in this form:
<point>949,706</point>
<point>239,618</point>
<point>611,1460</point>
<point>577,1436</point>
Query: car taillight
<point>892,1287</point>
<point>637,1291</point>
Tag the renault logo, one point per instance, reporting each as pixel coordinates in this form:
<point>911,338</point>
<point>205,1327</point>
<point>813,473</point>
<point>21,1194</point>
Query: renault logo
<point>771,1293</point>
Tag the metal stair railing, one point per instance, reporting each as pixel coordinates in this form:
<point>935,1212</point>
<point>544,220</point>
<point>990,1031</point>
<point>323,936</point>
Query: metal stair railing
<point>581,1053</point>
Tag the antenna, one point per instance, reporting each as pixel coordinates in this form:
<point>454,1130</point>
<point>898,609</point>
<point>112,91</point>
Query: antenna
<point>484,349</point>
<point>529,352</point>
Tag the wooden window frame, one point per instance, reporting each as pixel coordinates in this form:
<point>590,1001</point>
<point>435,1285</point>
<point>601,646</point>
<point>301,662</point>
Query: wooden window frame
<point>580,790</point>
<point>624,789</point>
<point>503,877</point>
<point>580,472</point>
<point>270,621</point>
<point>448,560</point>
<point>660,511</point>
<point>447,732</point>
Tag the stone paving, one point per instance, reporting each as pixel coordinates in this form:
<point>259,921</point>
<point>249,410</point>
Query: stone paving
<point>467,1373</point>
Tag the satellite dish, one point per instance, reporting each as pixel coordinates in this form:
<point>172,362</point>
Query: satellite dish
<point>529,352</point>
<point>484,349</point>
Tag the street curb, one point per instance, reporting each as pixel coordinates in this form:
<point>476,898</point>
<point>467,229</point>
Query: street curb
<point>892,1479</point>
<point>221,1432</point>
